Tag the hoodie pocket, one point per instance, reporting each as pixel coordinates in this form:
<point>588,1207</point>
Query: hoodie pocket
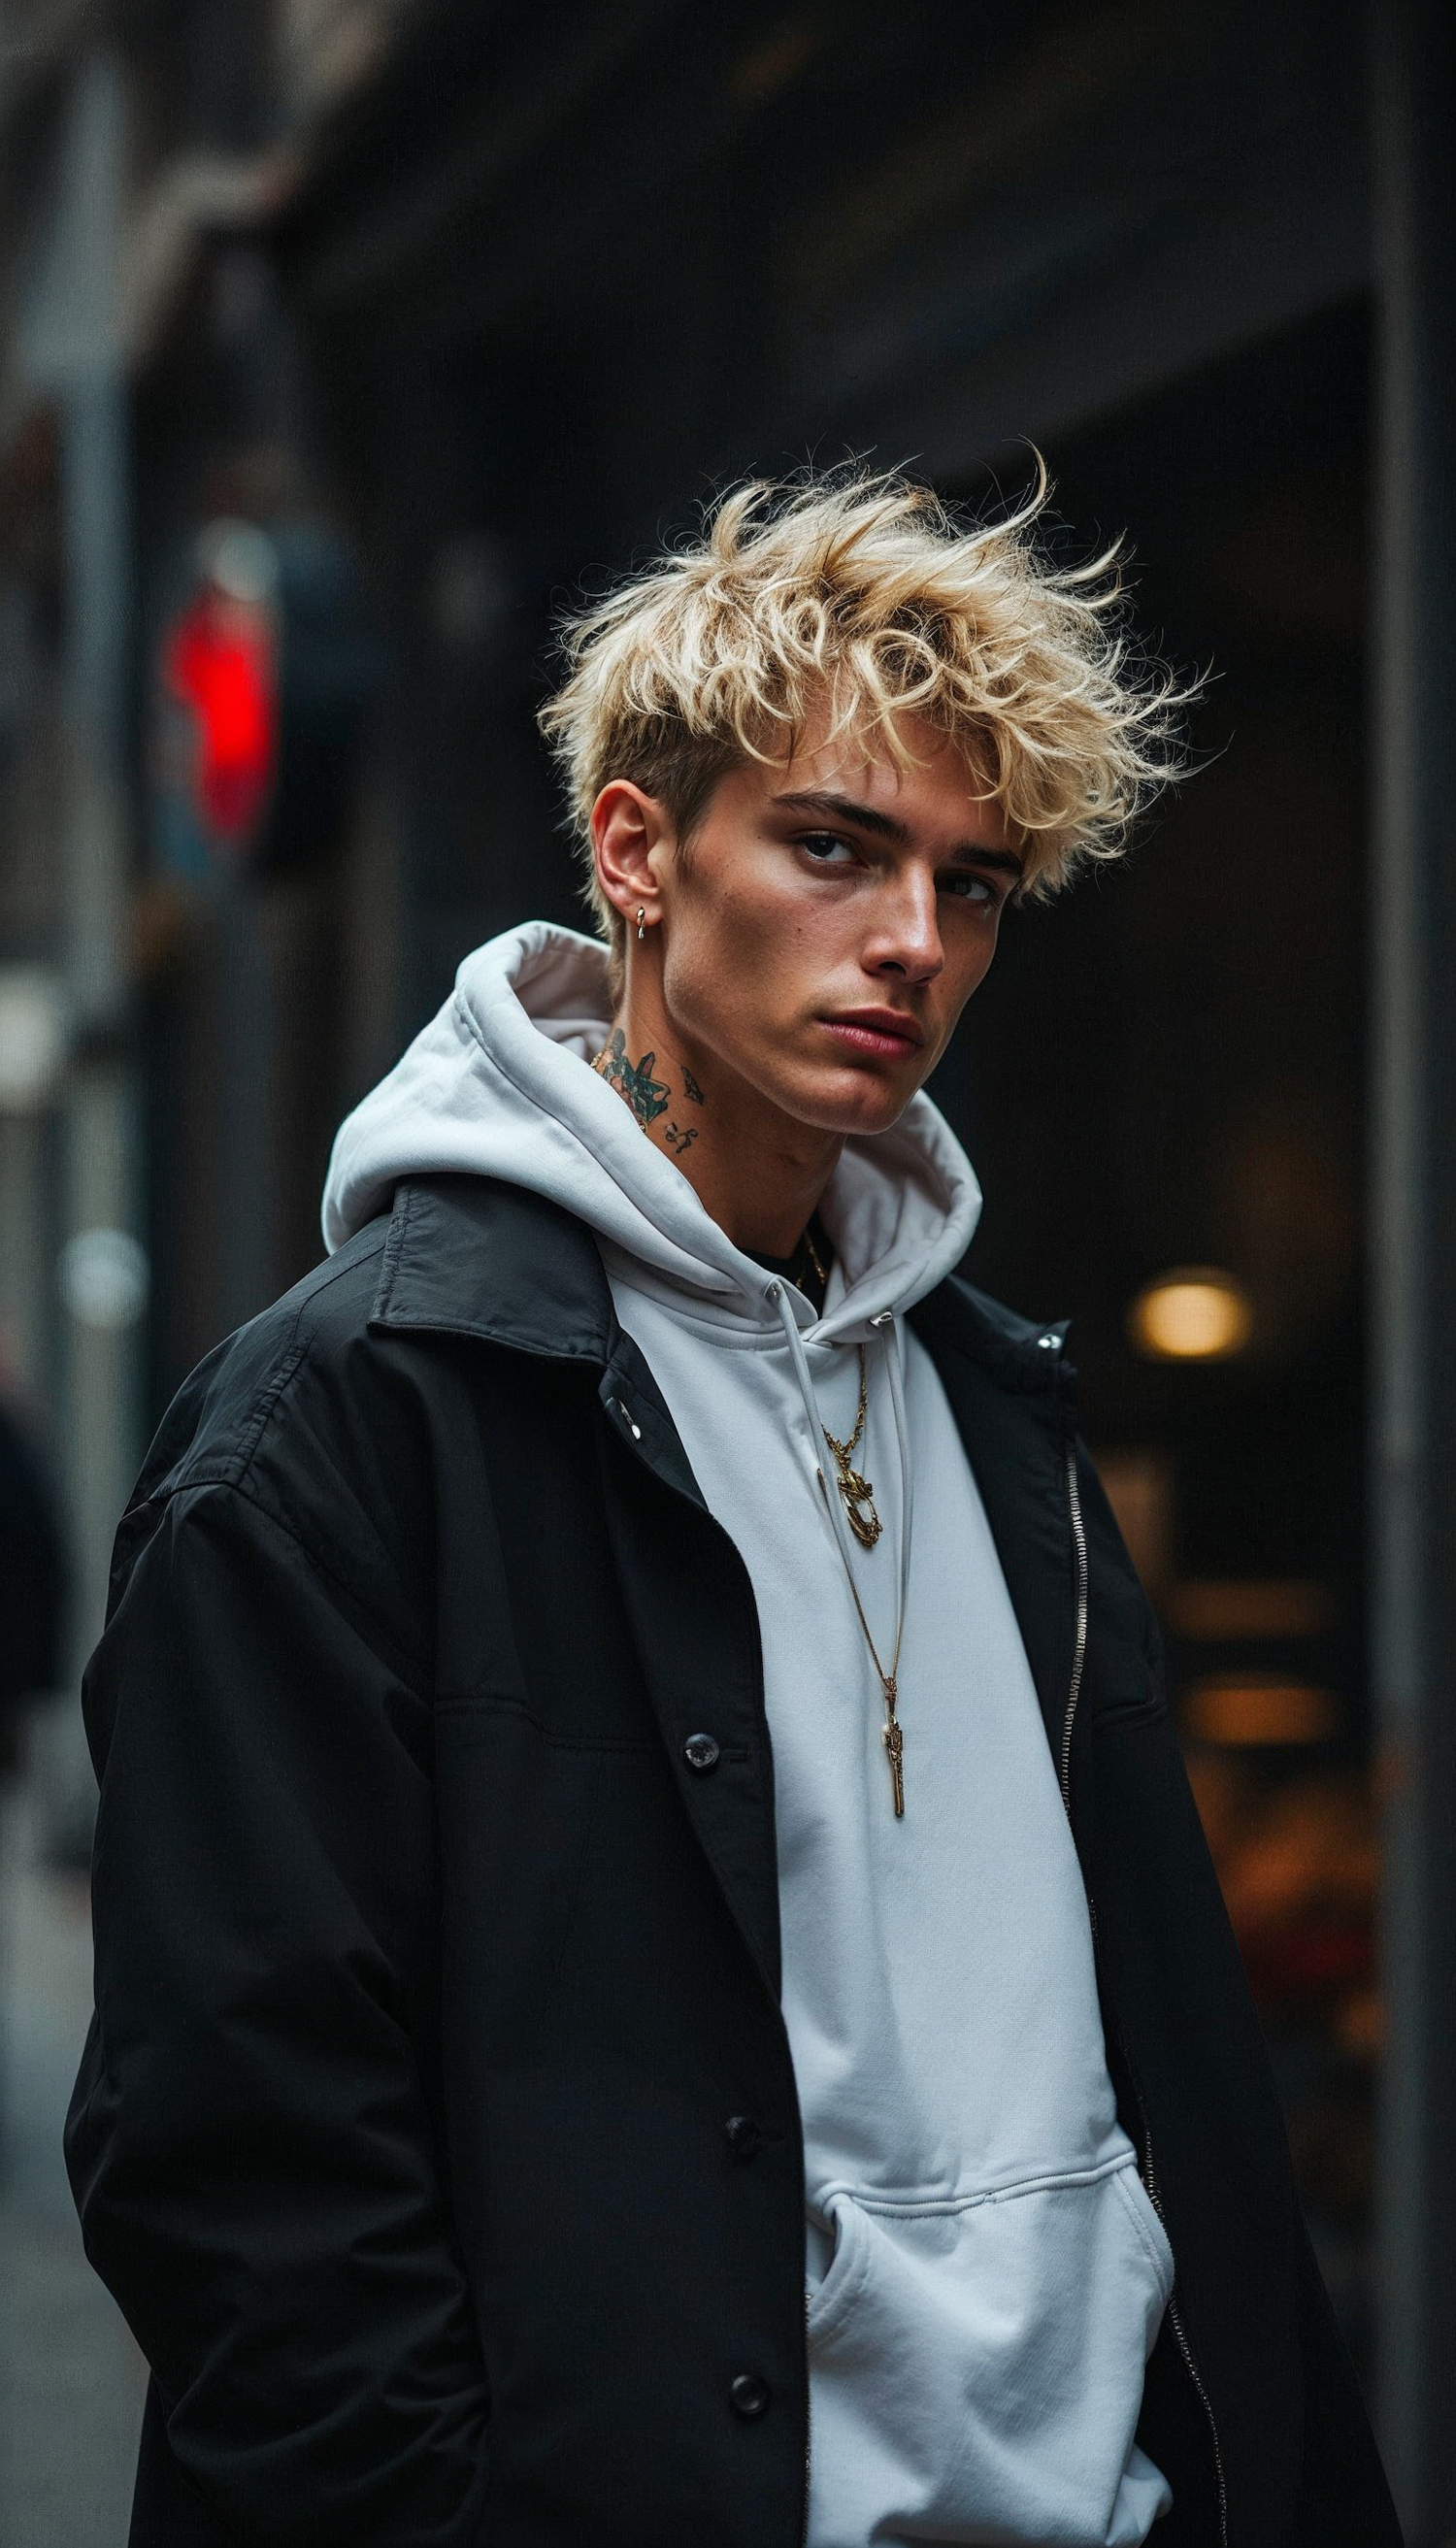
<point>976,2364</point>
<point>832,2303</point>
<point>1150,2228</point>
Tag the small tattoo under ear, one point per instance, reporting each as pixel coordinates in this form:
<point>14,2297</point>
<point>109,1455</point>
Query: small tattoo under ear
<point>647,1097</point>
<point>692,1088</point>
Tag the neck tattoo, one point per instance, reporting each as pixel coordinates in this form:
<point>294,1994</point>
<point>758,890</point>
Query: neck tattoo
<point>633,1081</point>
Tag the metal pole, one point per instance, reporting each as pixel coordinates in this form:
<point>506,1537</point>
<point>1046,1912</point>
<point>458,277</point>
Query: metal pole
<point>1414,1269</point>
<point>80,356</point>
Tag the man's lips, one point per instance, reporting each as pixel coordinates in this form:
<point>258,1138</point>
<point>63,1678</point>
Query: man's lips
<point>889,1033</point>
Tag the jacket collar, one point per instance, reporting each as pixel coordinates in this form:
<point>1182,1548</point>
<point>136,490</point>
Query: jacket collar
<point>467,1256</point>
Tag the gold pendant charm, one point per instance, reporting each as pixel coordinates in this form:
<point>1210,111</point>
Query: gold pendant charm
<point>894,1743</point>
<point>853,1492</point>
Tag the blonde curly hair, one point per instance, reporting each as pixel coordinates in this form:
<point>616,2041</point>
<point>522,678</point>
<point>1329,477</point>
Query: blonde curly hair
<point>867,594</point>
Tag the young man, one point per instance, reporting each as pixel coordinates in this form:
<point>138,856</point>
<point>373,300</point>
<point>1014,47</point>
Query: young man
<point>658,1981</point>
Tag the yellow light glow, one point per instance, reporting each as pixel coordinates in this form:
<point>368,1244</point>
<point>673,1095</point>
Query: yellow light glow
<point>1221,1612</point>
<point>1259,1708</point>
<point>1198,1316</point>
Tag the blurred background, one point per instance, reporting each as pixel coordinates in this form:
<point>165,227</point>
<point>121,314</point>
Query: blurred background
<point>339,341</point>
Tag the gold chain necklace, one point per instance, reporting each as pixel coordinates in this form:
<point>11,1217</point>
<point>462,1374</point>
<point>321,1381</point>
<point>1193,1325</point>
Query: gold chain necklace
<point>855,1497</point>
<point>891,1733</point>
<point>856,1492</point>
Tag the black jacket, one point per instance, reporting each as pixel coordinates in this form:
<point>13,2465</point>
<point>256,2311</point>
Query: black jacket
<point>437,2129</point>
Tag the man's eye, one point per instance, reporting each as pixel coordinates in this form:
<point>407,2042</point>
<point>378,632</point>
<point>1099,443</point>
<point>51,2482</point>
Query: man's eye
<point>970,888</point>
<point>828,849</point>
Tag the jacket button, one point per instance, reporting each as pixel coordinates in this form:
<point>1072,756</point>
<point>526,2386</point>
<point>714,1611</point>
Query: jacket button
<point>701,1753</point>
<point>750,2395</point>
<point>743,2136</point>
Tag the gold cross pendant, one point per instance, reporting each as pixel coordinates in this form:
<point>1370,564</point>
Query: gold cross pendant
<point>894,1743</point>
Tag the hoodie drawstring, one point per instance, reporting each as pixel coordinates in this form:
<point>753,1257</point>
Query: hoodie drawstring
<point>894,1358</point>
<point>884,1325</point>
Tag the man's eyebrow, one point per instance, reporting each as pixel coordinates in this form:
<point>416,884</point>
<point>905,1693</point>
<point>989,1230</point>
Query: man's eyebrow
<point>888,826</point>
<point>843,809</point>
<point>975,853</point>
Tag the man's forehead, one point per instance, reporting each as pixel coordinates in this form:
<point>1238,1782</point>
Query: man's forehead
<point>939,781</point>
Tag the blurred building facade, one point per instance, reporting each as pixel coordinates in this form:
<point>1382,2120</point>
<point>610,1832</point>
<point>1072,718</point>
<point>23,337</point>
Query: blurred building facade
<point>341,339</point>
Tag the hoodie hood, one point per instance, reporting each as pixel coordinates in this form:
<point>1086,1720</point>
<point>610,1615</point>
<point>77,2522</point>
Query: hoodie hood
<point>499,1084</point>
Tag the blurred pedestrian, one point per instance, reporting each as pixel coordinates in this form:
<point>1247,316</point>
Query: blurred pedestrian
<point>32,1593</point>
<point>32,1581</point>
<point>623,1689</point>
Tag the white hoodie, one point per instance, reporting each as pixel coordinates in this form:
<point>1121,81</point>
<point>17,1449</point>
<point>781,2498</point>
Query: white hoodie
<point>986,2274</point>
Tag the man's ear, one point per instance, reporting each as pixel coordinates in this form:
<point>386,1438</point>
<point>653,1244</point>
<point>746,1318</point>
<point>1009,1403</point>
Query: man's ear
<point>630,831</point>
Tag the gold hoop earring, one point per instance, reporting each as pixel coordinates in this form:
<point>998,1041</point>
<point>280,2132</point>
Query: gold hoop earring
<point>641,920</point>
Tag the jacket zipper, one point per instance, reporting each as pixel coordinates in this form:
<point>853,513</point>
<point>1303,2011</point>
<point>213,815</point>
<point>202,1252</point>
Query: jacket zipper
<point>1180,2338</point>
<point>1064,1766</point>
<point>1079,1650</point>
<point>808,2429</point>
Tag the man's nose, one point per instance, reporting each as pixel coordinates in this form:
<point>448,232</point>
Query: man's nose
<point>907,939</point>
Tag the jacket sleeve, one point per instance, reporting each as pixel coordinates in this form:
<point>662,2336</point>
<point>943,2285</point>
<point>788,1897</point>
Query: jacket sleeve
<point>251,2142</point>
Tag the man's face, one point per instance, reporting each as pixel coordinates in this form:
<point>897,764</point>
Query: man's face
<point>829,921</point>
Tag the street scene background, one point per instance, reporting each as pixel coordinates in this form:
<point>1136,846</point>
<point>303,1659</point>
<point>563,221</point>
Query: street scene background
<point>341,342</point>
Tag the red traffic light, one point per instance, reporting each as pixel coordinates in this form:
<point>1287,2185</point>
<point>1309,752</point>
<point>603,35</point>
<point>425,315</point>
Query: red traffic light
<point>220,661</point>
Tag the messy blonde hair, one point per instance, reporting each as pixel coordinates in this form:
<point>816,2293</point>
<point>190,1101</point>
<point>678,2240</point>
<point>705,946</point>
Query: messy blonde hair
<point>869,595</point>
